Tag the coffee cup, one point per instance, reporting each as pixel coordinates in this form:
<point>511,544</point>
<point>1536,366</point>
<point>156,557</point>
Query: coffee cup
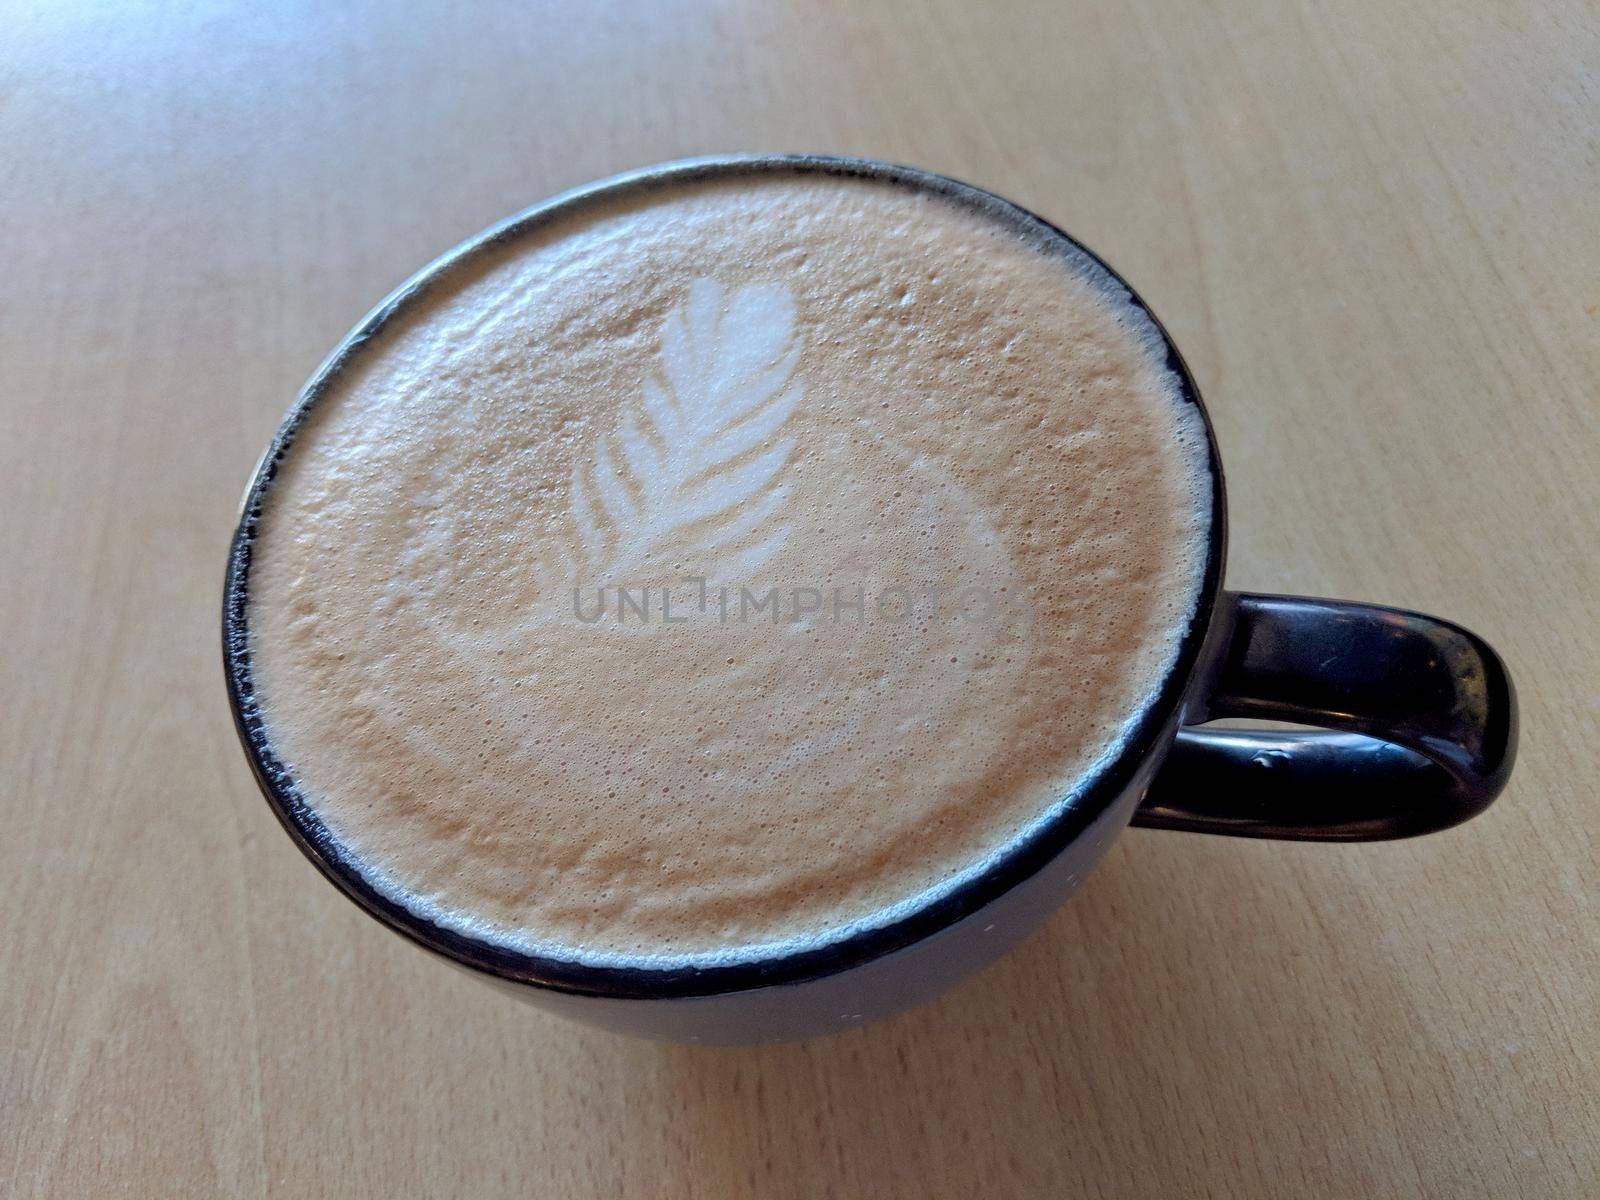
<point>1414,716</point>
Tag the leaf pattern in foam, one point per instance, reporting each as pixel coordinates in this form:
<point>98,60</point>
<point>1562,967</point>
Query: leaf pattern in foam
<point>697,467</point>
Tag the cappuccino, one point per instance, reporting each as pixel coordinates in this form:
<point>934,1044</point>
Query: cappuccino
<point>725,566</point>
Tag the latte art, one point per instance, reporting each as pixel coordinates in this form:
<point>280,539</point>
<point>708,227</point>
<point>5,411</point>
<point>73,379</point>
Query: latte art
<point>703,456</point>
<point>730,566</point>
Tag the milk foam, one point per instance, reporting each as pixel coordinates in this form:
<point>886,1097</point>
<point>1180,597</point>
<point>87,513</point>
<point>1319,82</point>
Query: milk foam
<point>727,567</point>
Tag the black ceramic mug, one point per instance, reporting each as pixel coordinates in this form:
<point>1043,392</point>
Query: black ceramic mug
<point>1419,718</point>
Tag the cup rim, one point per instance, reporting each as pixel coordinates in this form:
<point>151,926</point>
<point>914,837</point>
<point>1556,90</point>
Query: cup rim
<point>1008,867</point>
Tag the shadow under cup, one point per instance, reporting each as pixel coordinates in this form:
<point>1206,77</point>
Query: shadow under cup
<point>1417,717</point>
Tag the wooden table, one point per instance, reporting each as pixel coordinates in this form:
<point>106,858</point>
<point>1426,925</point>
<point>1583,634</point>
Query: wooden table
<point>1374,229</point>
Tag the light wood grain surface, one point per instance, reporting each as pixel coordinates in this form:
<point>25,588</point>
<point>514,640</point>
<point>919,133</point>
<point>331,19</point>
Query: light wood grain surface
<point>1375,230</point>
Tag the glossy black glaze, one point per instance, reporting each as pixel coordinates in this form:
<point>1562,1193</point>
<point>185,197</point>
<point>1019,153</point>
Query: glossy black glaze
<point>1432,703</point>
<point>869,974</point>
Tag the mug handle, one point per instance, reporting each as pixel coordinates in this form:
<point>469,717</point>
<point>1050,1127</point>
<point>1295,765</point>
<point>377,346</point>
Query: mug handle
<point>1426,710</point>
